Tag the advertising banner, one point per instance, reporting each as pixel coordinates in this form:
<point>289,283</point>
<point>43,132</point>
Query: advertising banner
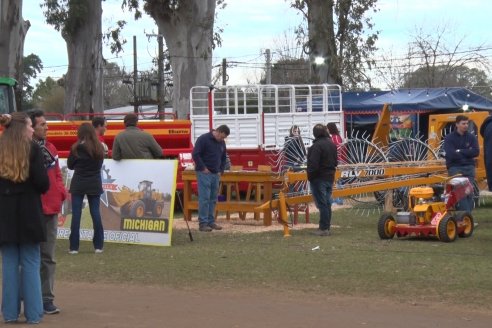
<point>401,126</point>
<point>137,204</point>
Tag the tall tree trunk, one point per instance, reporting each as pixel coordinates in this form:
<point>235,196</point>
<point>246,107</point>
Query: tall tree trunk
<point>188,31</point>
<point>322,41</point>
<point>13,31</point>
<point>84,80</point>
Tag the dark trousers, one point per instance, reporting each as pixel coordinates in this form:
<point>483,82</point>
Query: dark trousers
<point>98,238</point>
<point>321,191</point>
<point>48,262</point>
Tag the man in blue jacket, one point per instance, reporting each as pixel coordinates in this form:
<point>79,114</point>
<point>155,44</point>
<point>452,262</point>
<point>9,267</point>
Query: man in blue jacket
<point>209,155</point>
<point>461,148</point>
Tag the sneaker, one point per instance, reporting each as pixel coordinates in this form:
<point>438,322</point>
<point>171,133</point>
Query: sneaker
<point>98,251</point>
<point>50,308</point>
<point>205,228</point>
<point>215,226</point>
<point>322,233</point>
<point>73,252</point>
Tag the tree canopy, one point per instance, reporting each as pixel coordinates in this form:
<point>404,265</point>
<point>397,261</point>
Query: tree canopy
<point>435,59</point>
<point>31,66</point>
<point>339,32</point>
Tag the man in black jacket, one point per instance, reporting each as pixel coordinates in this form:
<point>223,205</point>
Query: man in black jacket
<point>321,165</point>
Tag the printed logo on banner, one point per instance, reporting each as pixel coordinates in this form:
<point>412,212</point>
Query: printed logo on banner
<point>136,204</point>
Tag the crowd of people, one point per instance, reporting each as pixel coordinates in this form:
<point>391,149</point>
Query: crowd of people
<point>31,197</point>
<point>32,190</point>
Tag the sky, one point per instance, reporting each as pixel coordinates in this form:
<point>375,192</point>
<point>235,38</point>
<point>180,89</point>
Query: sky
<point>252,26</point>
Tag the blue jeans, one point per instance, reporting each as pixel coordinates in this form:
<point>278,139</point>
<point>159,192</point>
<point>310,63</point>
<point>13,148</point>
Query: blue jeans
<point>208,187</point>
<point>467,203</point>
<point>98,239</point>
<point>321,190</point>
<point>20,272</point>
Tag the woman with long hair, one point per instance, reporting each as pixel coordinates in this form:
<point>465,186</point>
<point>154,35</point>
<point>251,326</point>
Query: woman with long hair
<point>23,179</point>
<point>294,149</point>
<point>86,159</point>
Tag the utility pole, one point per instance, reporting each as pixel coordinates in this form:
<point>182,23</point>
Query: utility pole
<point>268,67</point>
<point>160,75</point>
<point>135,72</point>
<point>224,71</point>
<point>160,69</point>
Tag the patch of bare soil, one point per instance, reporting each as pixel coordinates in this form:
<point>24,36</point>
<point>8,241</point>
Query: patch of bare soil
<point>102,305</point>
<point>250,225</point>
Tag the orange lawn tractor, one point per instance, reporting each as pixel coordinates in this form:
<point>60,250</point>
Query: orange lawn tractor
<point>432,214</point>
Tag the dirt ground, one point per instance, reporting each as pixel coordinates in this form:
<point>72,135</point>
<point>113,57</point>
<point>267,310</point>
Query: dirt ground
<point>102,305</point>
<point>106,306</point>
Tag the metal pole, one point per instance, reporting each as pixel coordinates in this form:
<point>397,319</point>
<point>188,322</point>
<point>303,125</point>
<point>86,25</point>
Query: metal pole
<point>224,71</point>
<point>210,106</point>
<point>268,67</point>
<point>160,90</point>
<point>135,72</point>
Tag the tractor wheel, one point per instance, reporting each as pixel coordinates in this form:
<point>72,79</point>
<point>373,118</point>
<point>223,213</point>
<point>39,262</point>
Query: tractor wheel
<point>125,210</point>
<point>386,226</point>
<point>157,210</point>
<point>137,209</point>
<point>447,229</point>
<point>465,219</point>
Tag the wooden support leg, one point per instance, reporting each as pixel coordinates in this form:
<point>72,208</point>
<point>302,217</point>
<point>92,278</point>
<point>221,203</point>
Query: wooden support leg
<point>296,214</point>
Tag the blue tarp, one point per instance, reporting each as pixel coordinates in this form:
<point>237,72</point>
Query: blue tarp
<point>414,101</point>
<point>361,109</point>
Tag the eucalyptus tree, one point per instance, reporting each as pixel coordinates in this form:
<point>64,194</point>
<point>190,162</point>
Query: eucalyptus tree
<point>188,30</point>
<point>13,30</point>
<point>79,23</point>
<point>339,32</point>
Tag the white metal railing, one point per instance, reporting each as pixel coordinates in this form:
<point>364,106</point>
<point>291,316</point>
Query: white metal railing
<point>261,115</point>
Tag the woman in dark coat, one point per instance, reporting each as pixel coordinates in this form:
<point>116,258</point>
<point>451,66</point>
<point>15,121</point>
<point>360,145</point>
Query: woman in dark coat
<point>86,159</point>
<point>23,179</point>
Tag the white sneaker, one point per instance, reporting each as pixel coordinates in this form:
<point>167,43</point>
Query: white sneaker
<point>73,252</point>
<point>98,251</point>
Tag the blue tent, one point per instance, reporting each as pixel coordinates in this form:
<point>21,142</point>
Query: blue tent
<point>414,101</point>
<point>361,109</point>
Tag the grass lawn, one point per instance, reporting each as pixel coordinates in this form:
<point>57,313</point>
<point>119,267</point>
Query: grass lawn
<point>353,261</point>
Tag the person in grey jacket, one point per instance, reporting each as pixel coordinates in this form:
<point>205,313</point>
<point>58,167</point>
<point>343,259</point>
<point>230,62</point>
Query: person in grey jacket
<point>134,143</point>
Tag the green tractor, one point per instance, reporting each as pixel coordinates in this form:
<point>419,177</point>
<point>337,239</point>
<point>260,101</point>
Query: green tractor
<point>7,96</point>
